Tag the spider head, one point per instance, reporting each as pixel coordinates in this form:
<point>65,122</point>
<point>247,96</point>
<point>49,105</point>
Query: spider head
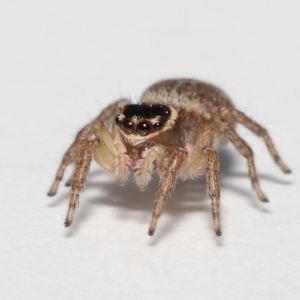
<point>140,122</point>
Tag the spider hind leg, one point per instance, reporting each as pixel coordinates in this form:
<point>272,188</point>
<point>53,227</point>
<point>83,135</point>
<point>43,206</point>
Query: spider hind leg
<point>261,132</point>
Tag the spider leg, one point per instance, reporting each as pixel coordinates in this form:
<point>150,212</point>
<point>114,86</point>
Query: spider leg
<point>102,153</point>
<point>70,156</point>
<point>82,136</point>
<point>261,132</point>
<point>212,180</point>
<point>166,184</point>
<point>207,159</point>
<point>94,141</point>
<point>82,168</point>
<point>245,150</point>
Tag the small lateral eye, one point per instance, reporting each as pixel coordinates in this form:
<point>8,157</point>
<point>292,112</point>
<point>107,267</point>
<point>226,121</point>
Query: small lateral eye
<point>127,126</point>
<point>157,126</point>
<point>167,112</point>
<point>118,121</point>
<point>143,128</point>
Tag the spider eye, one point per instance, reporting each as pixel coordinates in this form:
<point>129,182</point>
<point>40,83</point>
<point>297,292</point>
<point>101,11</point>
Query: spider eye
<point>157,126</point>
<point>118,121</point>
<point>143,128</point>
<point>127,126</point>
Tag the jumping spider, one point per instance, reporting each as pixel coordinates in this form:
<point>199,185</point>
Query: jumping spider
<point>176,129</point>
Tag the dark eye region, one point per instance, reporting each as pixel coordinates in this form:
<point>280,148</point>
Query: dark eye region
<point>143,119</point>
<point>147,111</point>
<point>142,128</point>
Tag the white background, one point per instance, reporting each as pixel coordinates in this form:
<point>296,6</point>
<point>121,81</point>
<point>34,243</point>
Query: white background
<point>61,62</point>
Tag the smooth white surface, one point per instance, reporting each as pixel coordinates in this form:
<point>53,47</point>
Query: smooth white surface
<point>61,62</point>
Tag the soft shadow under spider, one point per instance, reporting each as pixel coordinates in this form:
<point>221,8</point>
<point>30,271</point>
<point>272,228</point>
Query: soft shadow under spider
<point>186,198</point>
<point>227,161</point>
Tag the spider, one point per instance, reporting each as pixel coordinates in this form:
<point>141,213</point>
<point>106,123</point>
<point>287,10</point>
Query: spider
<point>176,129</point>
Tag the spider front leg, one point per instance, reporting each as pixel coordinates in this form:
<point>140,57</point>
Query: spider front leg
<point>70,156</point>
<point>166,184</point>
<point>212,178</point>
<point>83,135</point>
<point>97,148</point>
<point>81,171</point>
<point>206,159</point>
<point>93,141</point>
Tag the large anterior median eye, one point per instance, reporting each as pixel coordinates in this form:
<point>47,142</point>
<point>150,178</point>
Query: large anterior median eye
<point>127,126</point>
<point>143,128</point>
